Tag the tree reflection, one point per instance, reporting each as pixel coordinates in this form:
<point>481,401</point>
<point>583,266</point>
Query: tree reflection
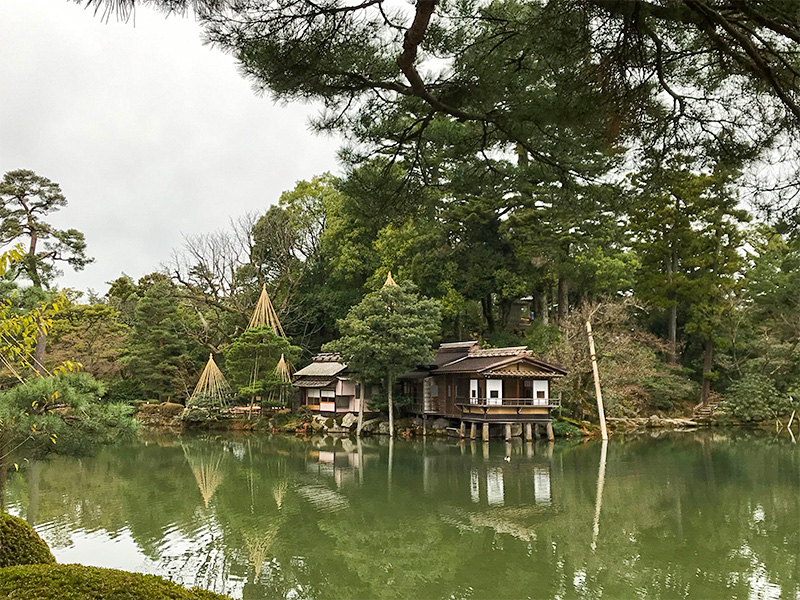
<point>275,517</point>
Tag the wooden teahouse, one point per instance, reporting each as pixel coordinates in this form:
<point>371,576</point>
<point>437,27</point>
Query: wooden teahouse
<point>501,386</point>
<point>325,386</point>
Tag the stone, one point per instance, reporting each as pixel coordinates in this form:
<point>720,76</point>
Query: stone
<point>440,424</point>
<point>416,421</point>
<point>516,430</point>
<point>383,427</point>
<point>349,420</point>
<point>372,425</point>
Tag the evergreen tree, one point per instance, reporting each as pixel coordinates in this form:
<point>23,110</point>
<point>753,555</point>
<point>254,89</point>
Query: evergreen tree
<point>160,354</point>
<point>389,332</point>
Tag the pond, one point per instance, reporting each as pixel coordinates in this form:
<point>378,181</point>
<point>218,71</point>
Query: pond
<point>691,515</point>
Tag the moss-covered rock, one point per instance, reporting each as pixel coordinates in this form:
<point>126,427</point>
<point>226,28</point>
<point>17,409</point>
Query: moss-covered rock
<point>20,544</point>
<point>76,582</point>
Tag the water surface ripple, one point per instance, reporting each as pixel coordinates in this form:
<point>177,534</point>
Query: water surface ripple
<point>694,515</point>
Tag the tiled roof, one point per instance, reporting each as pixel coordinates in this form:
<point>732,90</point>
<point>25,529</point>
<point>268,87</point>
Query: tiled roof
<point>313,382</point>
<point>510,351</point>
<point>490,365</point>
<point>321,369</point>
<point>523,372</point>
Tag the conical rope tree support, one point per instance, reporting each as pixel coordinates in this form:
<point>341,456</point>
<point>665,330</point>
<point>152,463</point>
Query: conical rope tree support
<point>212,388</point>
<point>206,465</point>
<point>284,370</point>
<point>265,314</point>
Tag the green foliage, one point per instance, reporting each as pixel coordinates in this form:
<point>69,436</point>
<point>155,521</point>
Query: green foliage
<point>566,430</point>
<point>251,362</point>
<point>20,544</point>
<point>389,332</point>
<point>125,390</point>
<point>76,582</point>
<point>669,388</point>
<point>90,334</point>
<point>62,414</point>
<point>755,397</point>
<point>541,338</point>
<point>160,354</point>
<point>25,199</point>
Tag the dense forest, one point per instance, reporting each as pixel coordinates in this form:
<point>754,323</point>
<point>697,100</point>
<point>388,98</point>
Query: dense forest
<point>527,165</point>
<point>678,272</point>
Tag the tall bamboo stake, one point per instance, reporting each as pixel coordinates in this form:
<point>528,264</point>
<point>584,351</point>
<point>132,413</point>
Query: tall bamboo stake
<point>601,413</point>
<point>598,501</point>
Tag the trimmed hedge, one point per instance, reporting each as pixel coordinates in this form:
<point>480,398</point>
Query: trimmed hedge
<point>76,582</point>
<point>20,544</point>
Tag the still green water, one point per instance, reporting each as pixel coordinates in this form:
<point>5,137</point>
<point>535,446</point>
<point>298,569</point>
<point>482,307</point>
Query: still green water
<point>693,515</point>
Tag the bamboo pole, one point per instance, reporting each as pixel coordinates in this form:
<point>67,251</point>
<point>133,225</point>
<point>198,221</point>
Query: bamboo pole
<point>601,413</point>
<point>598,503</point>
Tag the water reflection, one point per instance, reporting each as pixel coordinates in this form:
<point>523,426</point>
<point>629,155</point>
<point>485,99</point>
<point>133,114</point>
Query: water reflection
<point>259,517</point>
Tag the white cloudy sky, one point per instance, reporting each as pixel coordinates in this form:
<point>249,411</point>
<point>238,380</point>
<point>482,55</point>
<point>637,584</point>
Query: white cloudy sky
<point>150,133</point>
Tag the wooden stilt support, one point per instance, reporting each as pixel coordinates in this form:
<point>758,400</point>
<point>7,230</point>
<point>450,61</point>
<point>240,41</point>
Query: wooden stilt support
<point>528,432</point>
<point>536,433</point>
<point>473,431</point>
<point>508,432</point>
<point>424,425</point>
<point>550,435</point>
<point>485,432</point>
<point>462,430</point>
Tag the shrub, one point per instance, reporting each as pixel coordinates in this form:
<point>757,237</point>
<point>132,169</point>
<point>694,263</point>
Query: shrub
<point>62,414</point>
<point>76,582</point>
<point>125,390</point>
<point>20,544</point>
<point>565,430</point>
<point>754,397</point>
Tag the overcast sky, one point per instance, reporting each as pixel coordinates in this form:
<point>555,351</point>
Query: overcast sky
<point>150,134</point>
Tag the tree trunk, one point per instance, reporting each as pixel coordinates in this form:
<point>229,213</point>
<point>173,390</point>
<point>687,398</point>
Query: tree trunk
<point>488,312</point>
<point>708,365</point>
<point>672,326</point>
<point>389,385</point>
<point>542,309</point>
<point>563,299</point>
<point>672,356</point>
<point>361,402</point>
<point>38,353</point>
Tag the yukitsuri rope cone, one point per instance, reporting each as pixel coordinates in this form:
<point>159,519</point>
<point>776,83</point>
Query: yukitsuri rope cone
<point>389,279</point>
<point>284,370</point>
<point>265,314</point>
<point>207,469</point>
<point>259,544</point>
<point>211,386</point>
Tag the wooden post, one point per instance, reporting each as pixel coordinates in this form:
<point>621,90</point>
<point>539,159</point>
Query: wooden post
<point>598,503</point>
<point>473,431</point>
<point>461,430</point>
<point>508,432</point>
<point>601,413</point>
<point>424,425</point>
<point>528,432</point>
<point>550,435</point>
<point>485,432</point>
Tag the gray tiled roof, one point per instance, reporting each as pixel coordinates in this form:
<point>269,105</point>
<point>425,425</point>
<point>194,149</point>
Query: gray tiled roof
<point>321,369</point>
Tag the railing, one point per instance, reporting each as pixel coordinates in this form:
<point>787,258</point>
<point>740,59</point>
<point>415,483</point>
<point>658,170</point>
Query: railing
<point>513,402</point>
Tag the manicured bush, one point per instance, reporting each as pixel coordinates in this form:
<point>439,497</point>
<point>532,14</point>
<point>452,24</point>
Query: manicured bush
<point>76,582</point>
<point>566,430</point>
<point>20,544</point>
